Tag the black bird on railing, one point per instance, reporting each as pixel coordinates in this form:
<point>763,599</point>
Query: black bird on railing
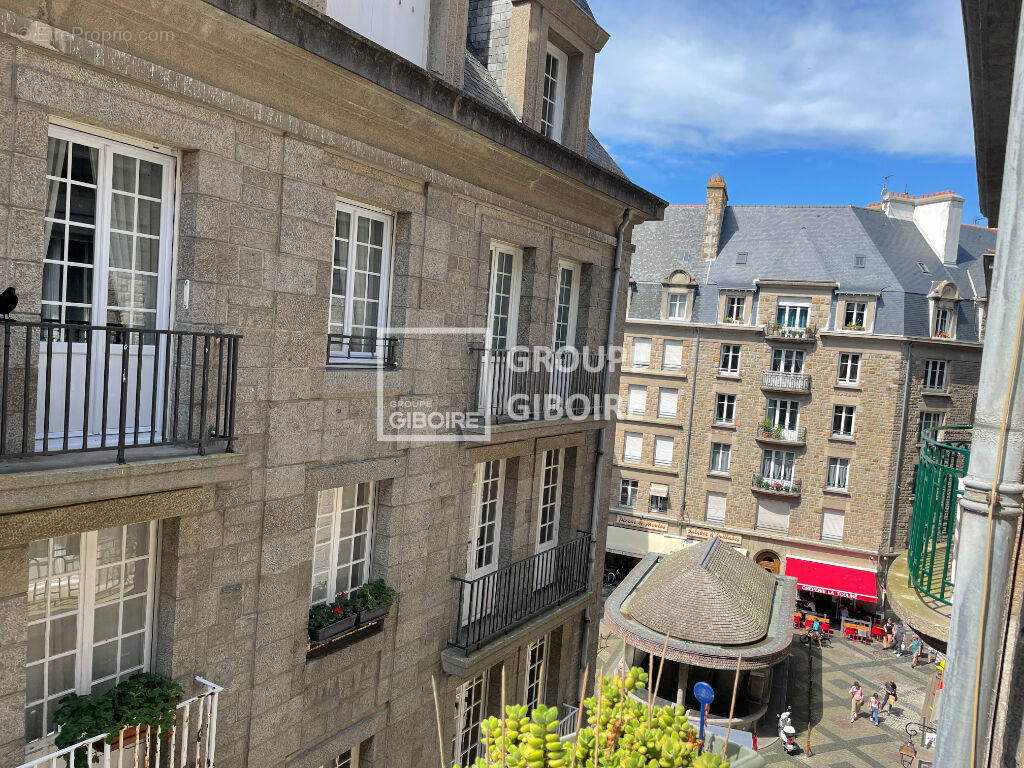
<point>8,301</point>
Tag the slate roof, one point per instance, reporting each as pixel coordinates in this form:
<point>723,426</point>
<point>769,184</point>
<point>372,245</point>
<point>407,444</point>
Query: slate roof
<point>584,6</point>
<point>810,243</point>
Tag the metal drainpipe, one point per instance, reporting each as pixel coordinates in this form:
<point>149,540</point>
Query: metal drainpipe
<point>1000,404</point>
<point>689,424</point>
<point>899,449</point>
<point>599,458</point>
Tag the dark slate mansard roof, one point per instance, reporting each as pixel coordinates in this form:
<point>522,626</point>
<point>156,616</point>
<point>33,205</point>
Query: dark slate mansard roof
<point>810,243</point>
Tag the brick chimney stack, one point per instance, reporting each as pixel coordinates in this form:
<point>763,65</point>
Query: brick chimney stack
<point>714,210</point>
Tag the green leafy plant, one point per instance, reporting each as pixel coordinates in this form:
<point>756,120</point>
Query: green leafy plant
<point>140,700</point>
<point>766,427</point>
<point>811,331</point>
<point>618,732</point>
<point>327,613</point>
<point>374,595</point>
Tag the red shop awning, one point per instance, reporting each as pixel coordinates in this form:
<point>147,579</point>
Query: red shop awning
<point>831,579</point>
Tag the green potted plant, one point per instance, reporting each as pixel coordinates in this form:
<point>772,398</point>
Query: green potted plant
<point>373,601</point>
<point>766,427</point>
<point>811,331</point>
<point>328,620</point>
<point>143,701</point>
<point>776,432</point>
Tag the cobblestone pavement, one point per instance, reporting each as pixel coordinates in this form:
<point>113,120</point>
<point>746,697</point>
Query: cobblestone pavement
<point>835,741</point>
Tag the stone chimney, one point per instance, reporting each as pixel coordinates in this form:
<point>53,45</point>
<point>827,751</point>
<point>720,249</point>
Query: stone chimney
<point>937,217</point>
<point>714,210</point>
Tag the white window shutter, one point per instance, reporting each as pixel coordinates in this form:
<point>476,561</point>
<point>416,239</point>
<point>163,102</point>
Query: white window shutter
<point>637,404</point>
<point>659,489</point>
<point>715,511</point>
<point>641,352</point>
<point>668,401</point>
<point>673,355</point>
<point>663,451</point>
<point>773,515</point>
<point>832,521</point>
<point>633,443</point>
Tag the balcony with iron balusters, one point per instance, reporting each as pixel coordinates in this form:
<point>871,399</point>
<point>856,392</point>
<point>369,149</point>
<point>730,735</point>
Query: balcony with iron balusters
<point>782,381</point>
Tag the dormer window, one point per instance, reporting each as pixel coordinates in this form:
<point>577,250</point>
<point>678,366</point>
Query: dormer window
<point>741,257</point>
<point>854,316</point>
<point>735,309</point>
<point>677,292</point>
<point>792,313</point>
<point>943,298</point>
<point>943,320</point>
<point>676,306</point>
<point>553,99</point>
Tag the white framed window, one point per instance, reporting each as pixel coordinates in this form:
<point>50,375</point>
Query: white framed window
<point>849,368</point>
<point>935,375</point>
<point>785,414</point>
<point>360,278</point>
<point>721,453</point>
<point>641,357</point>
<point>792,312</point>
<point>676,306</point>
<point>536,668</point>
<point>344,540</point>
<point>552,106</point>
<point>729,360</point>
<point>503,295</point>
<point>108,232</point>
<point>632,446</point>
<point>787,360</point>
<point>929,420</point>
<point>488,492</point>
<point>725,408</point>
<point>550,499</point>
<point>735,309</point>
<point>628,493</point>
<point>636,401</point>
<point>772,515</point>
<point>778,465</point>
<point>668,402</point>
<point>567,301</point>
<point>842,420</point>
<point>663,447</point>
<point>832,523</point>
<point>347,759</point>
<point>470,701</point>
<point>714,509</point>
<point>855,315</point>
<point>672,357</point>
<point>658,499</point>
<point>943,324</point>
<point>838,475</point>
<point>90,615</point>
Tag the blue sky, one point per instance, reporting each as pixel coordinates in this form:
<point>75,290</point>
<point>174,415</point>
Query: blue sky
<point>792,101</point>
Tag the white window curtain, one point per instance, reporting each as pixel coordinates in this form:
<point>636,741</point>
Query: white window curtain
<point>715,510</point>
<point>663,451</point>
<point>668,402</point>
<point>673,357</point>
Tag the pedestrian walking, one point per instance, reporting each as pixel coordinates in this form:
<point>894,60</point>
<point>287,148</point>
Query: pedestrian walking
<point>890,695</point>
<point>916,646</point>
<point>856,700</point>
<point>890,628</point>
<point>873,708</point>
<point>897,639</point>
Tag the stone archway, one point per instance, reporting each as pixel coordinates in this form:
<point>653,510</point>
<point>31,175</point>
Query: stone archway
<point>768,560</point>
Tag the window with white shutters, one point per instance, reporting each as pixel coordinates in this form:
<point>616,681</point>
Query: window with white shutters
<point>668,403</point>
<point>714,512</point>
<point>663,451</point>
<point>632,446</point>
<point>672,359</point>
<point>641,352</point>
<point>832,522</point>
<point>773,515</point>
<point>636,403</point>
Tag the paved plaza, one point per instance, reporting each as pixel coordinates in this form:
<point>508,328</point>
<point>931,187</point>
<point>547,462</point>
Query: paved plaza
<point>835,741</point>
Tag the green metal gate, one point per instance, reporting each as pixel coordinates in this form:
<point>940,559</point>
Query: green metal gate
<point>930,549</point>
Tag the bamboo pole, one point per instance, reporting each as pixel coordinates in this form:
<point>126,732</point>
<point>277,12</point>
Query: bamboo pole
<point>597,727</point>
<point>579,716</point>
<point>732,704</point>
<point>437,717</point>
<point>504,746</point>
<point>650,688</point>
<point>661,666</point>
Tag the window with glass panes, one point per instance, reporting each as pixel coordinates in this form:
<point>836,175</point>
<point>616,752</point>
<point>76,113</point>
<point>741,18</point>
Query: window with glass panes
<point>347,759</point>
<point>729,363</point>
<point>935,374</point>
<point>553,95</point>
<point>344,533</point>
<point>489,487</point>
<point>89,615</point>
<point>842,420</point>
<point>929,420</point>
<point>735,308</point>
<point>838,475</point>
<point>791,314</point>
<point>784,413</point>
<point>627,493</point>
<point>676,306</point>
<point>788,360</point>
<point>720,455</point>
<point>566,304</point>
<point>777,465</point>
<point>550,498</point>
<point>657,504</point>
<point>849,368</point>
<point>942,322</point>
<point>503,295</point>
<point>107,232</point>
<point>725,408</point>
<point>536,661</point>
<point>359,280</point>
<point>854,314</point>
<point>470,699</point>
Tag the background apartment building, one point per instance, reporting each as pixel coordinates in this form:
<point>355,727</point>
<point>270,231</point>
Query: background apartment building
<point>220,219</point>
<point>780,363</point>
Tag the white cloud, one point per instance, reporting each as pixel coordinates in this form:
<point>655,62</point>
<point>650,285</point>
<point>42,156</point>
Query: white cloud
<point>740,75</point>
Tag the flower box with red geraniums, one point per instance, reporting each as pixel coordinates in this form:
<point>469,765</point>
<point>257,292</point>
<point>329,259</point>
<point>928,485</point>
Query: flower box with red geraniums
<point>328,620</point>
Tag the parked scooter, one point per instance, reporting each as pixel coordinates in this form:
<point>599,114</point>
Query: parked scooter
<point>787,734</point>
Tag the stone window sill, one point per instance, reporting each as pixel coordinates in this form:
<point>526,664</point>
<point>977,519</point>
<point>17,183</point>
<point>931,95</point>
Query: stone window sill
<point>836,491</point>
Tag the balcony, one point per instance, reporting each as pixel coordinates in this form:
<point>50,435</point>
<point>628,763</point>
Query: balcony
<point>776,332</point>
<point>780,435</point>
<point>533,384</point>
<point>75,388</point>
<point>344,349</point>
<point>772,486</point>
<point>192,741</point>
<point>780,381</point>
<point>492,604</point>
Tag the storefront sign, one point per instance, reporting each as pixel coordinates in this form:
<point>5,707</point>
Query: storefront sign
<point>705,535</point>
<point>641,523</point>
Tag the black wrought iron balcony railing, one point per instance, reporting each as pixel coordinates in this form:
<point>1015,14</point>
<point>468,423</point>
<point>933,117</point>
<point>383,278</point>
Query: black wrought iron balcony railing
<point>531,383</point>
<point>774,434</point>
<point>73,387</point>
<point>494,603</point>
<point>781,381</point>
<point>361,349</point>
